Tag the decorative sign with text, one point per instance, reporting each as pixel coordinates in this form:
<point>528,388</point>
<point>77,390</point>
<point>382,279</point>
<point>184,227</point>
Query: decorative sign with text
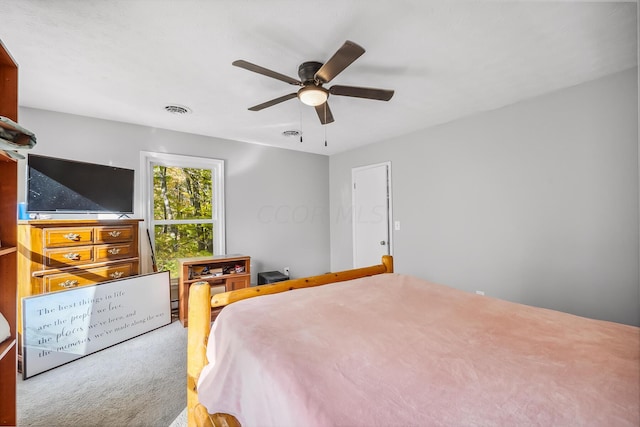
<point>64,326</point>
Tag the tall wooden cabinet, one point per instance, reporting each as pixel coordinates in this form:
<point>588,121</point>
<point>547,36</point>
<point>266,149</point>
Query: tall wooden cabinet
<point>8,287</point>
<point>8,243</point>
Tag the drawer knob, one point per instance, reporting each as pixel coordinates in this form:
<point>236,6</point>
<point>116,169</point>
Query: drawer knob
<point>74,237</point>
<point>69,283</point>
<point>116,274</point>
<point>115,233</point>
<point>113,251</point>
<point>72,256</point>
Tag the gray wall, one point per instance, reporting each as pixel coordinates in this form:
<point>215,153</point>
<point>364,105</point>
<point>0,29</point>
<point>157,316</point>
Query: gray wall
<point>535,202</point>
<point>276,200</point>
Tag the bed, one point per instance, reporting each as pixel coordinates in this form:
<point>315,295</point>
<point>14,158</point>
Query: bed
<point>373,347</point>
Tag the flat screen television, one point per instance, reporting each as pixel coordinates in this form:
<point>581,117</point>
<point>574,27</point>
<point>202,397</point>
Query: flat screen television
<point>60,185</point>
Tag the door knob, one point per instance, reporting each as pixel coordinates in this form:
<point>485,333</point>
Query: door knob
<point>382,242</point>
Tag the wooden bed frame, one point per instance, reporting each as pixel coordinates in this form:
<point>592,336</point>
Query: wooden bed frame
<point>200,305</point>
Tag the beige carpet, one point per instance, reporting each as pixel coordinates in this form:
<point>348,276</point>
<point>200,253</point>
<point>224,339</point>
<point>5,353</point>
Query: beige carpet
<point>181,420</point>
<point>140,382</point>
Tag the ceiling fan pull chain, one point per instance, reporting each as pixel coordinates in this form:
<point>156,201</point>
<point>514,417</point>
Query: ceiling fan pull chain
<point>325,135</point>
<point>300,110</point>
<point>325,126</point>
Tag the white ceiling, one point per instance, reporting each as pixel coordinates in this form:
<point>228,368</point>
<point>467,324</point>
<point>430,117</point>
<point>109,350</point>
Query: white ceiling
<point>125,60</point>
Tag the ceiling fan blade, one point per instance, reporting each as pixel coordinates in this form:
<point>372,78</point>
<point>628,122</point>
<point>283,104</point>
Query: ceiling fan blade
<point>324,113</point>
<point>340,60</point>
<point>273,102</point>
<point>362,92</point>
<point>266,72</point>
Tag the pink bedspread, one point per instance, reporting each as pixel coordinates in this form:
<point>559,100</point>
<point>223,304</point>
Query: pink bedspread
<point>394,350</point>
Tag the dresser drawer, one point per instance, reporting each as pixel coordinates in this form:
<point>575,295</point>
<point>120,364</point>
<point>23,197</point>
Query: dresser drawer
<point>113,234</point>
<point>70,256</point>
<point>115,251</point>
<point>68,236</point>
<point>62,281</point>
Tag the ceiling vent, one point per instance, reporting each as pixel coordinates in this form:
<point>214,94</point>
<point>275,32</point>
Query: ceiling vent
<point>177,109</point>
<point>291,133</point>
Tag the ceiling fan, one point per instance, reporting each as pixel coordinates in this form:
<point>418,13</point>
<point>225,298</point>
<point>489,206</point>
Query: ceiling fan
<point>313,75</point>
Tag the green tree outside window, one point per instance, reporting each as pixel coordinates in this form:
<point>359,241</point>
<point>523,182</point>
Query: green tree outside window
<point>183,197</point>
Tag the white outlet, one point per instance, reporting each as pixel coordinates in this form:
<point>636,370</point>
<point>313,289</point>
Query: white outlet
<point>396,225</point>
<point>286,270</point>
<point>480,292</point>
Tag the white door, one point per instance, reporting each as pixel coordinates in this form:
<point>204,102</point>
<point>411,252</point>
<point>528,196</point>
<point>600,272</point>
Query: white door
<point>371,197</point>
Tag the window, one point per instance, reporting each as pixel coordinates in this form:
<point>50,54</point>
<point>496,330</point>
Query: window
<point>185,207</point>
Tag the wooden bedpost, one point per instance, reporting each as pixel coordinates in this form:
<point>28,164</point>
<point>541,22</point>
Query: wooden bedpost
<point>197,337</point>
<point>387,261</point>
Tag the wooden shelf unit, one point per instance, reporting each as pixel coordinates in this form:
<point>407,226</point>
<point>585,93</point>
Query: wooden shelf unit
<point>192,270</point>
<point>8,244</point>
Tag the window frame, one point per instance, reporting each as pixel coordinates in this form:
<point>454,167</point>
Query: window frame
<point>148,159</point>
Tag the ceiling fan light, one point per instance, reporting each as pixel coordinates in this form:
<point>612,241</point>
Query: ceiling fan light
<point>313,95</point>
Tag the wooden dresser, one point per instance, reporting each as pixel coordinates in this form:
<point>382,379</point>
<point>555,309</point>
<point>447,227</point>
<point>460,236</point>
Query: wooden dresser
<point>55,255</point>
